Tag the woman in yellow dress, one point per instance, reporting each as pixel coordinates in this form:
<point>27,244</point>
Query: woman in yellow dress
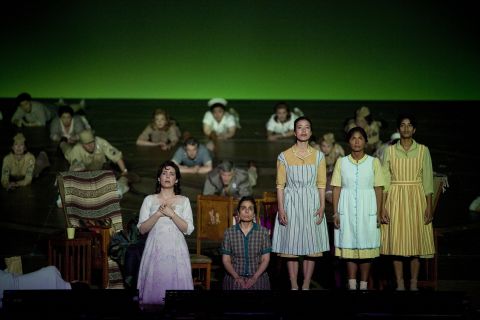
<point>407,232</point>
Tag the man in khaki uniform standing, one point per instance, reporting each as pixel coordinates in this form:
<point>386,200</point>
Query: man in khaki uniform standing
<point>92,153</point>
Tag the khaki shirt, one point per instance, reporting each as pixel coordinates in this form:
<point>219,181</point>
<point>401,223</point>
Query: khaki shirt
<point>20,170</point>
<point>171,135</point>
<point>80,159</point>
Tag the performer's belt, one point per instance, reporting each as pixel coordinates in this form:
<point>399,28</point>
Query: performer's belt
<point>407,183</point>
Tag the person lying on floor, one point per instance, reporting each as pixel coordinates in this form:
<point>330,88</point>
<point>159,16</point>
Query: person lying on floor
<point>47,278</point>
<point>20,167</point>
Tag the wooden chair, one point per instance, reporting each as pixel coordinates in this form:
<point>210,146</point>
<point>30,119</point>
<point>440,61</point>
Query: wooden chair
<point>214,216</point>
<point>268,210</point>
<point>91,203</point>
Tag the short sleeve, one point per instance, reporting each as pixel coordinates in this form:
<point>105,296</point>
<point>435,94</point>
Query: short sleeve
<point>145,210</point>
<point>111,152</point>
<point>337,174</point>
<point>322,174</point>
<point>177,157</point>
<point>229,120</point>
<point>208,118</point>
<point>379,181</point>
<point>271,124</point>
<point>227,243</point>
<point>386,168</point>
<point>186,214</point>
<point>145,135</point>
<point>281,171</point>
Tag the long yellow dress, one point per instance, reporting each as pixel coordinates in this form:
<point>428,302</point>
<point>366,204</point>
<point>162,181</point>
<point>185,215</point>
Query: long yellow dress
<point>409,178</point>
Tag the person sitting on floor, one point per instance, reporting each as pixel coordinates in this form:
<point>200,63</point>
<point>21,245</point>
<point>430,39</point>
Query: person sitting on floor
<point>20,167</point>
<point>30,113</point>
<point>227,180</point>
<point>161,132</point>
<point>193,157</point>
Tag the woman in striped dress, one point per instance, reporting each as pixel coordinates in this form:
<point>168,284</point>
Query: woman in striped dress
<point>357,197</point>
<point>301,228</point>
<point>407,214</point>
<point>246,251</point>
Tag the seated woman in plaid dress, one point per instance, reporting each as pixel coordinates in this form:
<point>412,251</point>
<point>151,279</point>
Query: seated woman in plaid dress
<point>246,251</point>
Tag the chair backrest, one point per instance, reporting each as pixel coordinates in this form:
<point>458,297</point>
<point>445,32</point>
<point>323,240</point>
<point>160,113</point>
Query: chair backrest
<point>214,216</point>
<point>90,197</point>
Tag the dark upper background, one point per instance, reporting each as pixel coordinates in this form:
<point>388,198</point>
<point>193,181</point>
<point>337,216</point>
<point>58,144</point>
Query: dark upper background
<point>253,49</point>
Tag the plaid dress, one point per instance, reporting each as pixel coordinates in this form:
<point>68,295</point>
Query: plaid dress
<point>246,252</point>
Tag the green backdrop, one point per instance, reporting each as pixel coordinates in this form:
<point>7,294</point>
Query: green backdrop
<point>252,49</point>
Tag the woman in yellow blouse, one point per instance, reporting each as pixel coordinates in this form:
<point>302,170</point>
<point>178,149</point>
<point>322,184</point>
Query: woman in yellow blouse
<point>301,228</point>
<point>407,214</point>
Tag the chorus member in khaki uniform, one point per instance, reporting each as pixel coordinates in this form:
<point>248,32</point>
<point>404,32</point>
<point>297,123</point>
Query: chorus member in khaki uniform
<point>19,167</point>
<point>30,113</point>
<point>407,215</point>
<point>301,227</point>
<point>161,132</point>
<point>92,153</point>
<point>227,180</point>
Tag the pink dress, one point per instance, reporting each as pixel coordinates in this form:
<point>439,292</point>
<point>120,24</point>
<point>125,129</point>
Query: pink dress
<point>165,261</point>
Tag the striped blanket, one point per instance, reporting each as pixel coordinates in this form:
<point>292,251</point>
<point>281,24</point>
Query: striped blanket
<point>91,198</point>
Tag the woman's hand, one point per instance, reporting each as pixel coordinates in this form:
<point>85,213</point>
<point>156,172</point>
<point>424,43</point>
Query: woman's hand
<point>282,218</point>
<point>320,213</point>
<point>385,216</point>
<point>336,221</point>
<point>250,282</point>
<point>428,215</point>
<point>240,282</point>
<point>161,210</point>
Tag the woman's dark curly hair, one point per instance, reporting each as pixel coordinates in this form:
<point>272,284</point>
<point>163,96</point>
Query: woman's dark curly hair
<point>172,164</point>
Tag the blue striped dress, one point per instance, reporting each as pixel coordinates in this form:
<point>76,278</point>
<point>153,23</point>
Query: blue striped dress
<point>301,236</point>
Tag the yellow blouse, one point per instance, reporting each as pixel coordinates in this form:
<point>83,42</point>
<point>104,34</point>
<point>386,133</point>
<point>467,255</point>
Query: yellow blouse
<point>293,159</point>
<point>401,153</point>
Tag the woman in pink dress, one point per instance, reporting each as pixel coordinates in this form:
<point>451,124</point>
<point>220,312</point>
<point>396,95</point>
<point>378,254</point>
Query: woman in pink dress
<point>167,217</point>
